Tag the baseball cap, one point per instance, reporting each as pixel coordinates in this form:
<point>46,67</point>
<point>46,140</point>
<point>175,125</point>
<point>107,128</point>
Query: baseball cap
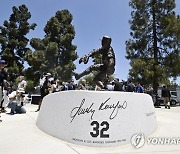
<point>21,90</point>
<point>48,74</point>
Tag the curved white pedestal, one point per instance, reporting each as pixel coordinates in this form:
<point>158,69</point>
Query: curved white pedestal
<point>97,118</point>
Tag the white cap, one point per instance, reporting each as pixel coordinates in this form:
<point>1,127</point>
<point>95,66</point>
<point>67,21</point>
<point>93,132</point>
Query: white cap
<point>21,90</point>
<point>12,95</point>
<point>48,74</point>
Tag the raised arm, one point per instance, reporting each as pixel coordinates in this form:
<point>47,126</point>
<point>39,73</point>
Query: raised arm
<point>85,58</point>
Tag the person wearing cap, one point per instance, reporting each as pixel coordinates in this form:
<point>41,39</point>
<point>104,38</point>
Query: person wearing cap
<point>15,102</point>
<point>45,88</point>
<point>42,80</point>
<point>106,68</point>
<point>83,85</point>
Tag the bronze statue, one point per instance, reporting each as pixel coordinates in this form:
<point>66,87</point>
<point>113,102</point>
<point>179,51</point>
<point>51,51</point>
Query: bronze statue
<point>106,68</point>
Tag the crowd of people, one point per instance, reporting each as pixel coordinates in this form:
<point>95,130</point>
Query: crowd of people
<point>11,99</point>
<point>49,85</point>
<point>15,99</point>
<point>129,86</point>
<point>117,85</point>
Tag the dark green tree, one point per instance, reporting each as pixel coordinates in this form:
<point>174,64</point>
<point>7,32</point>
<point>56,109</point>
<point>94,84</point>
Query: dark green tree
<point>36,61</point>
<point>172,61</point>
<point>55,53</point>
<point>155,41</point>
<point>13,39</point>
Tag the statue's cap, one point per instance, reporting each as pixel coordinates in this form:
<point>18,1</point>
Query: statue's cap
<point>106,38</point>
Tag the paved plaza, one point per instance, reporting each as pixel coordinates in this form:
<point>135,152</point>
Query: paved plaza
<point>20,135</point>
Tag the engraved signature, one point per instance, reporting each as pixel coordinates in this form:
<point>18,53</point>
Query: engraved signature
<point>81,110</point>
<point>115,107</point>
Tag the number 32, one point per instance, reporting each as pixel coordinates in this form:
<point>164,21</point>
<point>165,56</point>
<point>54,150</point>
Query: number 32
<point>100,131</point>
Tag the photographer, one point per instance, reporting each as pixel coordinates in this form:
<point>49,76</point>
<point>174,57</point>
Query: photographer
<point>15,99</point>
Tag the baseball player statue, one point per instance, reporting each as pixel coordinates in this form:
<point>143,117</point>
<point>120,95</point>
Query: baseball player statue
<point>105,68</point>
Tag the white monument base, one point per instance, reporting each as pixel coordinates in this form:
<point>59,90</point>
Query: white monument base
<point>97,118</point>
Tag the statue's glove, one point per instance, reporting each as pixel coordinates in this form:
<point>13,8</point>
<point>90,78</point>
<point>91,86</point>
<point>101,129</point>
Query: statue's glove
<point>84,59</point>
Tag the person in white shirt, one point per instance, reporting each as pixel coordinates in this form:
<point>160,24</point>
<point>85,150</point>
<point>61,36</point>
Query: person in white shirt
<point>5,98</point>
<point>22,83</point>
<point>14,103</point>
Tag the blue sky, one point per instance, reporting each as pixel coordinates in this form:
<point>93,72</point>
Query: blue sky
<point>92,19</point>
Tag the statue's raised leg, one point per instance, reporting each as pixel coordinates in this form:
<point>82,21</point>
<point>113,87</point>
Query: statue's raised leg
<point>87,71</point>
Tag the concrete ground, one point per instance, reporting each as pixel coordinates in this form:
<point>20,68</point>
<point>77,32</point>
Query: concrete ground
<point>20,135</point>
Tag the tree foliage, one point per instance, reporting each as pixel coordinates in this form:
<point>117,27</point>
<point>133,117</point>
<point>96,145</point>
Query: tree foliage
<point>13,39</point>
<point>54,53</point>
<point>153,50</point>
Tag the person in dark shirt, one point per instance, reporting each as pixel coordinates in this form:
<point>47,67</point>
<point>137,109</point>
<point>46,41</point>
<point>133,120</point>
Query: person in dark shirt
<point>139,88</point>
<point>71,85</point>
<point>3,77</point>
<point>117,85</point>
<point>130,87</point>
<point>45,88</point>
<point>166,96</point>
<point>3,72</point>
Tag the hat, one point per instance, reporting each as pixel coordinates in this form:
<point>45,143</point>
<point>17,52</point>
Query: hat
<point>12,95</point>
<point>106,38</point>
<point>48,74</point>
<point>20,90</point>
<point>83,80</point>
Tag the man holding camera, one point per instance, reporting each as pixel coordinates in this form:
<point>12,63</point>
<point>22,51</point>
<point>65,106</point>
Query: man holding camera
<point>15,99</point>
